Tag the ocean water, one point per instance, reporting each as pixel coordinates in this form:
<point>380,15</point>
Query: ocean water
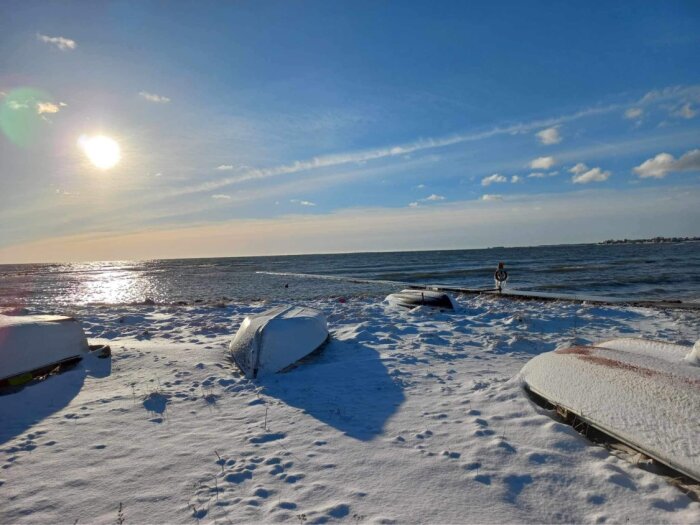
<point>642,271</point>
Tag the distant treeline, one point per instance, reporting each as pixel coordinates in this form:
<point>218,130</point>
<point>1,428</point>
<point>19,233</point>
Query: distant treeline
<point>653,240</point>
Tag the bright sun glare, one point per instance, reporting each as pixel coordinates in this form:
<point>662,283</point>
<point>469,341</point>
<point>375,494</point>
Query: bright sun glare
<point>102,151</point>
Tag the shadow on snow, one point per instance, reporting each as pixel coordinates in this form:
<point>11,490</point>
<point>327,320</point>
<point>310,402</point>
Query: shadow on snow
<point>346,386</point>
<point>22,409</point>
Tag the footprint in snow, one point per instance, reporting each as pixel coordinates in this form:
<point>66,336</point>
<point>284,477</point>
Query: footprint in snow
<point>267,437</point>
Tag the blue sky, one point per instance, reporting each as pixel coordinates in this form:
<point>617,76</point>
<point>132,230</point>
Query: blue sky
<point>290,127</point>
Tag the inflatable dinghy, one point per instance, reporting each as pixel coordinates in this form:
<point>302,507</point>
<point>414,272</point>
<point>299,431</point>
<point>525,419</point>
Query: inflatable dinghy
<point>411,298</point>
<point>273,340</point>
<point>34,344</point>
<point>646,394</point>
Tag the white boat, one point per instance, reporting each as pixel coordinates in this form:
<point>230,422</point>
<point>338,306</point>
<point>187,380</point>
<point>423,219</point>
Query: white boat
<point>273,340</point>
<point>645,394</point>
<point>412,298</point>
<point>32,344</point>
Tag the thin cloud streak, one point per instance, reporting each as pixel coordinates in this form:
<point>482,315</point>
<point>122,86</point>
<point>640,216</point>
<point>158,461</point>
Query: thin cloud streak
<point>62,43</point>
<point>387,152</point>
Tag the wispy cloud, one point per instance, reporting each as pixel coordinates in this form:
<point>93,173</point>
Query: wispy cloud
<point>302,202</point>
<point>491,197</point>
<point>515,179</point>
<point>664,163</point>
<point>542,163</point>
<point>225,167</point>
<point>433,198</point>
<point>633,113</point>
<point>401,150</point>
<point>686,111</point>
<point>583,174</point>
<point>549,136</point>
<point>413,204</point>
<point>152,97</point>
<point>493,179</point>
<point>62,43</point>
<point>683,93</point>
<point>221,196</point>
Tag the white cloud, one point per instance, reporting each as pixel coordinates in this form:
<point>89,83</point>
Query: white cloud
<point>633,113</point>
<point>579,168</point>
<point>537,175</point>
<point>542,163</point>
<point>221,197</point>
<point>420,186</point>
<point>493,179</point>
<point>434,197</point>
<point>47,107</point>
<point>152,97</point>
<point>515,179</point>
<point>62,43</point>
<point>549,136</point>
<point>67,193</point>
<point>302,202</point>
<point>39,106</point>
<point>224,167</point>
<point>686,111</point>
<point>584,175</point>
<point>491,197</point>
<point>413,204</point>
<point>664,163</point>
<point>16,106</point>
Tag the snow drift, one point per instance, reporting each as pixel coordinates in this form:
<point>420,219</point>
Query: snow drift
<point>34,342</point>
<point>273,340</point>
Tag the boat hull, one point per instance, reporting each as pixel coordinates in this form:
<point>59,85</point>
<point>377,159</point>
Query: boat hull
<point>38,342</point>
<point>640,392</point>
<point>272,341</point>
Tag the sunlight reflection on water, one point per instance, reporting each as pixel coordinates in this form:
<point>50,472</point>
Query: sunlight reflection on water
<point>648,271</point>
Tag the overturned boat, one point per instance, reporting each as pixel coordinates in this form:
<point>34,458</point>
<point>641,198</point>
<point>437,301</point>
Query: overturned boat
<point>412,298</point>
<point>33,345</point>
<point>273,340</point>
<point>645,394</point>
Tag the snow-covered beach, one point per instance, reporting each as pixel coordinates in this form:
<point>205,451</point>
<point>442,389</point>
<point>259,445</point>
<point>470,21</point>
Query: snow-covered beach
<point>404,417</point>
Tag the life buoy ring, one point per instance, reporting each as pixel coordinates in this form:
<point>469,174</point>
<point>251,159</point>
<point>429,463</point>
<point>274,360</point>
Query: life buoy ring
<point>500,275</point>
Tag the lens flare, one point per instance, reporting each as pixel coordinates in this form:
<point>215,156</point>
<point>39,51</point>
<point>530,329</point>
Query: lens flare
<point>22,115</point>
<point>102,151</point>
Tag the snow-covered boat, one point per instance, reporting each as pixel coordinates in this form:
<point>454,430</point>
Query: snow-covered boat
<point>34,344</point>
<point>411,298</point>
<point>273,340</point>
<point>645,394</point>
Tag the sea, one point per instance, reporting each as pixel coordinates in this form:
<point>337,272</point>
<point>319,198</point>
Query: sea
<point>669,271</point>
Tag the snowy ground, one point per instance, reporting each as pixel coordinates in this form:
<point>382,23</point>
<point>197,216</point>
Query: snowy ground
<point>404,417</point>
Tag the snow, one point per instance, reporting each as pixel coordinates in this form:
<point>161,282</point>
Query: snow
<point>31,342</point>
<point>405,416</point>
<point>273,340</point>
<point>641,391</point>
<point>693,356</point>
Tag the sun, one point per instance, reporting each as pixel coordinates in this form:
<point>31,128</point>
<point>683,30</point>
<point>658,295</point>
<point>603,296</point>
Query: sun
<point>102,151</point>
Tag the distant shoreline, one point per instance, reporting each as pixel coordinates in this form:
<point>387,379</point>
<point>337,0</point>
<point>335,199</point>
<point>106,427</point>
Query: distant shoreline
<point>653,240</point>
